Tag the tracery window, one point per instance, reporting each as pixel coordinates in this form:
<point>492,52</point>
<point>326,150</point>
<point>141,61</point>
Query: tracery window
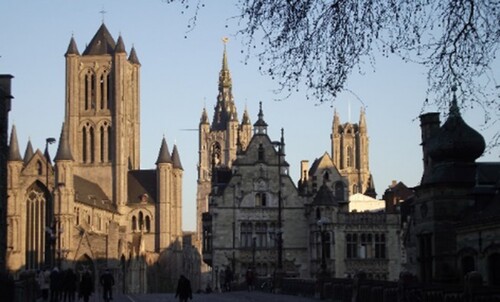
<point>246,234</point>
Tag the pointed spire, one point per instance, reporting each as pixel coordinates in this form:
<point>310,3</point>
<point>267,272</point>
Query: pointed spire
<point>225,110</point>
<point>282,142</point>
<point>120,46</point>
<point>204,117</point>
<point>176,159</point>
<point>102,43</point>
<point>164,155</point>
<point>336,119</point>
<point>362,119</point>
<point>133,57</point>
<point>245,120</point>
<point>28,153</point>
<point>72,48</point>
<point>454,110</point>
<point>63,151</point>
<point>14,154</point>
<point>260,121</point>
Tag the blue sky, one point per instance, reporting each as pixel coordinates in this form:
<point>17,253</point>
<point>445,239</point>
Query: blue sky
<point>179,77</point>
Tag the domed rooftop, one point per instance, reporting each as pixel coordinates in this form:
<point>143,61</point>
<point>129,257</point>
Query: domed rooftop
<point>455,141</point>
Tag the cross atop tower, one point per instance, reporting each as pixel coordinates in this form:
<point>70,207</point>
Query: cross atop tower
<point>102,12</point>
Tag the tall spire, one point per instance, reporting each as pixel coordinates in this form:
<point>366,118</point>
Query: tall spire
<point>225,110</point>
<point>164,155</point>
<point>72,48</point>
<point>133,57</point>
<point>28,153</point>
<point>14,154</point>
<point>260,126</point>
<point>63,151</point>
<point>362,119</point>
<point>176,159</point>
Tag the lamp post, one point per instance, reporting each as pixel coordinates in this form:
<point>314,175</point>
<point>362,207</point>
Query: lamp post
<point>279,268</point>
<point>323,272</point>
<point>49,212</point>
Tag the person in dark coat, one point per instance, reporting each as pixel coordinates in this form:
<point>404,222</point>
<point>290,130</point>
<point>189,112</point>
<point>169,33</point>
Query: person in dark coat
<point>86,286</point>
<point>107,281</point>
<point>69,283</point>
<point>55,285</point>
<point>184,289</point>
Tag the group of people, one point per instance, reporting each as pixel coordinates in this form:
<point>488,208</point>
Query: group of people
<point>62,286</point>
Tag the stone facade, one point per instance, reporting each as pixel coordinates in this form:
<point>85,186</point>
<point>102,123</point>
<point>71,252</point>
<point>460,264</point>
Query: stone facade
<point>249,208</point>
<point>93,206</point>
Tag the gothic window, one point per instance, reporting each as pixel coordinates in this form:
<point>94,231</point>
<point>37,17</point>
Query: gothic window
<point>108,91</point>
<point>349,158</point>
<point>134,224</point>
<point>246,234</point>
<point>109,144</point>
<point>216,154</point>
<point>36,216</point>
<point>90,90</point>
<point>92,144</point>
<point>102,90</point>
<point>352,245</point>
<point>339,190</point>
<point>326,176</point>
<point>148,224</point>
<point>141,221</point>
<point>261,152</point>
<point>39,168</point>
<point>207,239</point>
<point>261,234</point>
<point>84,144</point>
<point>101,132</point>
<point>380,246</point>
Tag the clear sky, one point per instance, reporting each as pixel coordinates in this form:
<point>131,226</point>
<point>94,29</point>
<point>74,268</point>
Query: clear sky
<point>179,77</point>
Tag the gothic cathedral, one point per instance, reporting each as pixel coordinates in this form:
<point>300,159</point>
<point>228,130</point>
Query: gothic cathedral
<point>94,207</point>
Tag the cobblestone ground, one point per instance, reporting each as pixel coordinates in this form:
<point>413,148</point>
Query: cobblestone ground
<point>237,296</point>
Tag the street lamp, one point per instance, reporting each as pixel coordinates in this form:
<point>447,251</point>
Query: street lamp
<point>323,272</point>
<point>49,244</point>
<point>279,271</point>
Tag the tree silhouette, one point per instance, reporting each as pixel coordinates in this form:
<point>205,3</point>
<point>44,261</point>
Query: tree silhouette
<point>317,44</point>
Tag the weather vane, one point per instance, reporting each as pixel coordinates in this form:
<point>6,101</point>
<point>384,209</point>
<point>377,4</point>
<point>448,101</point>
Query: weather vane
<point>225,40</point>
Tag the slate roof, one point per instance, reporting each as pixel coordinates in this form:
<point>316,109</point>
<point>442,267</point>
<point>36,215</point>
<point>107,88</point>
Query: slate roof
<point>141,182</point>
<point>102,43</point>
<point>90,193</point>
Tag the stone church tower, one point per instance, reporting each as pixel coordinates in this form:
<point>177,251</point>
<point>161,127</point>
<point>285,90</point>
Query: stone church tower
<point>93,207</point>
<point>219,141</point>
<point>350,148</point>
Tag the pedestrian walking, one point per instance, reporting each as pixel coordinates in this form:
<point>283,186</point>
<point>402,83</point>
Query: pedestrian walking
<point>250,279</point>
<point>55,285</point>
<point>43,280</point>
<point>107,282</point>
<point>69,285</point>
<point>86,287</point>
<point>183,291</point>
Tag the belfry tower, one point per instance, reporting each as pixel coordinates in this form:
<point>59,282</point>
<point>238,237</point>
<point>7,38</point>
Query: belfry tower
<point>102,112</point>
<point>350,147</point>
<point>220,141</point>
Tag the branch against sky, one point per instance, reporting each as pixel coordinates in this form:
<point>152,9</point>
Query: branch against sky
<point>316,44</point>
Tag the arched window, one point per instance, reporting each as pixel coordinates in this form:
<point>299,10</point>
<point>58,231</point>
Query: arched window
<point>141,221</point>
<point>36,220</point>
<point>110,145</point>
<point>326,176</point>
<point>134,223</point>
<point>349,158</point>
<point>84,144</point>
<point>92,144</point>
<point>148,224</point>
<point>39,168</point>
<point>102,90</point>
<point>216,154</point>
<point>108,91</point>
<point>260,199</point>
<point>102,143</point>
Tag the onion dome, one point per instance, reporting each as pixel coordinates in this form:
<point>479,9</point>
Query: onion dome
<point>455,141</point>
